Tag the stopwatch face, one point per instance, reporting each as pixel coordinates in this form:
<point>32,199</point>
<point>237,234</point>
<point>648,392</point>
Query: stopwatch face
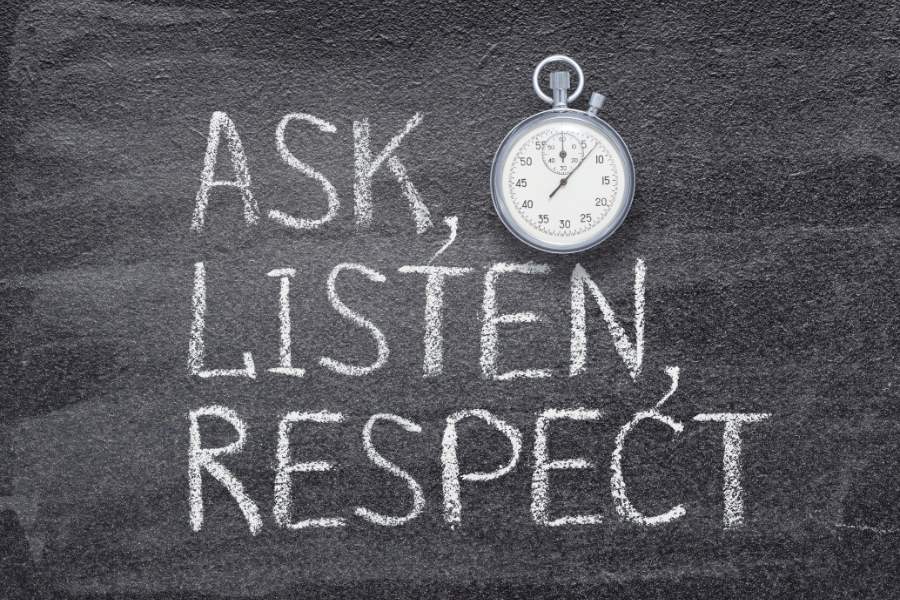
<point>562,181</point>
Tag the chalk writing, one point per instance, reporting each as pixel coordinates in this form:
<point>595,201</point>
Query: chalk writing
<point>540,484</point>
<point>366,167</point>
<point>731,440</point>
<point>204,459</point>
<point>632,354</point>
<point>219,124</point>
<point>356,319</point>
<point>451,475</point>
<point>286,468</point>
<point>375,457</point>
<point>489,338</point>
<point>434,304</point>
<point>330,193</point>
<point>285,366</point>
<point>196,346</point>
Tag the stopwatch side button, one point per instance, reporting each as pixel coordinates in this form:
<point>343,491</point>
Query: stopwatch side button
<point>559,83</point>
<point>595,104</point>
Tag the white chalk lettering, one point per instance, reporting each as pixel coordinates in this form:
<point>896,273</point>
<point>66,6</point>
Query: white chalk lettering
<point>434,304</point>
<point>282,510</point>
<point>489,350</point>
<point>452,223</point>
<point>196,348</point>
<point>420,212</point>
<point>200,459</point>
<point>540,484</point>
<point>624,507</point>
<point>366,167</point>
<point>631,354</point>
<point>330,193</point>
<point>451,476</point>
<point>217,124</point>
<point>731,439</point>
<point>285,366</point>
<point>356,319</point>
<point>375,457</point>
<point>673,373</point>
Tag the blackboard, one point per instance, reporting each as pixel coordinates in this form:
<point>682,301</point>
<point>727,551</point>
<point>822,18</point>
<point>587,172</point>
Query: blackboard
<point>739,382</point>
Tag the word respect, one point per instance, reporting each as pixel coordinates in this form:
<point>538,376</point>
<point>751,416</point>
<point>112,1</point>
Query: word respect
<point>205,459</point>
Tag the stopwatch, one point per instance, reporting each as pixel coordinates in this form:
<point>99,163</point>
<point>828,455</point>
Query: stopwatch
<point>562,180</point>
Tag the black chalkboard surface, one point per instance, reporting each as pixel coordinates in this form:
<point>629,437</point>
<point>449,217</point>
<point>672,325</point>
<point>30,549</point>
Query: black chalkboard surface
<point>264,335</point>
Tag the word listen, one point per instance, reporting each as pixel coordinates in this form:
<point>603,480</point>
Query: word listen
<point>630,352</point>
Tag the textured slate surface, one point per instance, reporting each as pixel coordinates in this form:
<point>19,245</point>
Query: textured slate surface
<point>765,146</point>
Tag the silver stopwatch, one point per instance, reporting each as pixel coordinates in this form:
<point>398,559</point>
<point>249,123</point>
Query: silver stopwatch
<point>562,180</point>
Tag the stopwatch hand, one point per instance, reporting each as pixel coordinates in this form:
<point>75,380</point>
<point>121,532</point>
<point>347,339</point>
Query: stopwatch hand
<point>583,160</point>
<point>561,183</point>
<point>566,180</point>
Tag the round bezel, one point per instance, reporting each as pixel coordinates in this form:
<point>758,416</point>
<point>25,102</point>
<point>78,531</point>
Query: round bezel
<point>507,146</point>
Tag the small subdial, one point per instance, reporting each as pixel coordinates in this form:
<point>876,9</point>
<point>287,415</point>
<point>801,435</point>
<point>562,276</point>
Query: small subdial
<point>561,152</point>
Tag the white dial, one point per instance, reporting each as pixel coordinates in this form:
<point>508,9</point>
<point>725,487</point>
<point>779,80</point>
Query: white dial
<point>564,182</point>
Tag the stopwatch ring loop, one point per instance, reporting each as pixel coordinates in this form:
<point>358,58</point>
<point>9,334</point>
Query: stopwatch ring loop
<point>557,58</point>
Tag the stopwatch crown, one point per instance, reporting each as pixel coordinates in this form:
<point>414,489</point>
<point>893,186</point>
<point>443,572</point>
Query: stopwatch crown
<point>559,80</point>
<point>559,83</point>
